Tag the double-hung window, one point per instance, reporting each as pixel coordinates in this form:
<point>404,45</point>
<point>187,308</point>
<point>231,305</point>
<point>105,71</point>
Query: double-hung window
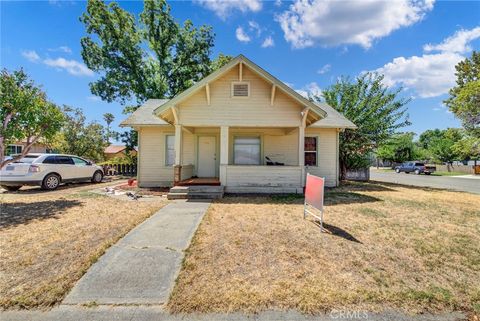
<point>310,151</point>
<point>246,151</point>
<point>170,150</point>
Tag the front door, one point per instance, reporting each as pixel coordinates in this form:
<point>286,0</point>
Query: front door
<point>206,156</point>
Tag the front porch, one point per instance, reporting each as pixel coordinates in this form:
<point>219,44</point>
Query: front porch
<point>243,159</point>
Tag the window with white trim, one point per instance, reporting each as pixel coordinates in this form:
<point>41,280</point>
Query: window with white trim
<point>240,89</point>
<point>246,150</point>
<point>13,149</point>
<point>170,150</point>
<point>310,151</point>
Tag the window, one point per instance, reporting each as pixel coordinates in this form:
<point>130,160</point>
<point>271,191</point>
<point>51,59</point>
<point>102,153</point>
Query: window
<point>64,160</point>
<point>310,151</point>
<point>170,150</point>
<point>79,161</point>
<point>240,89</point>
<point>13,149</point>
<point>246,151</point>
<point>49,160</point>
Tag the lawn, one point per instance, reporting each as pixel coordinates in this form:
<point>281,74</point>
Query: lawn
<point>388,247</point>
<point>50,239</point>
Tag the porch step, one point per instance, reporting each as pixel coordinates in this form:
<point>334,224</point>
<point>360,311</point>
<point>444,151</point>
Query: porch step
<point>196,192</point>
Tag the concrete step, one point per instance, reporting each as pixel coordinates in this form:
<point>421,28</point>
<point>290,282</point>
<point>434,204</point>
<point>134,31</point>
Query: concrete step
<point>196,192</point>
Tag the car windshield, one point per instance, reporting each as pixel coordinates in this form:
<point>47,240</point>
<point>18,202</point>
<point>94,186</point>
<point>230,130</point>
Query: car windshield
<point>27,159</point>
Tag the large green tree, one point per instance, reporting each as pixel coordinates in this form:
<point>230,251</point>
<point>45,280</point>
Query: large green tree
<point>399,148</point>
<point>150,56</point>
<point>25,113</point>
<point>77,137</point>
<point>464,100</point>
<point>377,111</point>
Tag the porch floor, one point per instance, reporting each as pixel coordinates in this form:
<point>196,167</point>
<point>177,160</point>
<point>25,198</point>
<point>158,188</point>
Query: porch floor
<point>206,181</point>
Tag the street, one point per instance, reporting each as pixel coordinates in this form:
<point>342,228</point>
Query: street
<point>463,184</point>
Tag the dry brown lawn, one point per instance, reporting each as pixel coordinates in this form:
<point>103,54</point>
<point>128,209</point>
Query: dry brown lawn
<point>388,247</point>
<point>49,239</point>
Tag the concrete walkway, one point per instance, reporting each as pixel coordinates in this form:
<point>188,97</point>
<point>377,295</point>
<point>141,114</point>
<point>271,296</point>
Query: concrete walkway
<point>142,267</point>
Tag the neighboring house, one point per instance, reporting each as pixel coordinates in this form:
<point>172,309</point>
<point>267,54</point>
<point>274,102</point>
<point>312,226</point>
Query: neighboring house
<point>117,151</point>
<point>228,123</point>
<point>18,147</point>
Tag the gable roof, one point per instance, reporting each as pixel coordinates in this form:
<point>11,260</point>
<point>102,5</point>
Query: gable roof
<point>144,114</point>
<point>150,112</point>
<point>231,64</point>
<point>334,119</point>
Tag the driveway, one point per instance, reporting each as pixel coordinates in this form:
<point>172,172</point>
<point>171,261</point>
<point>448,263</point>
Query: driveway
<point>457,183</point>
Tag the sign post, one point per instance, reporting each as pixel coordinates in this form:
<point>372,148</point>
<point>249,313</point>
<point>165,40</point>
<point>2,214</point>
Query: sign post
<point>314,192</point>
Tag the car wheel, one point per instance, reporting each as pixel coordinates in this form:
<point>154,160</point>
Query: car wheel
<point>97,177</point>
<point>427,173</point>
<point>417,172</point>
<point>397,170</point>
<point>51,182</point>
<point>11,188</point>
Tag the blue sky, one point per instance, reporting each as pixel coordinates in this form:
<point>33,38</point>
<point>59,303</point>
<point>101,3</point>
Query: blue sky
<point>307,44</point>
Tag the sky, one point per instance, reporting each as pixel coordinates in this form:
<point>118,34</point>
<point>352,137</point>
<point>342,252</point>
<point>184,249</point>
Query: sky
<point>308,44</point>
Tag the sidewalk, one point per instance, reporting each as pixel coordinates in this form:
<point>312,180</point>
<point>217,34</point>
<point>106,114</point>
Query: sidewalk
<point>142,267</point>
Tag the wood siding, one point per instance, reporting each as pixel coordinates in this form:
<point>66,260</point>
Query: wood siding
<point>263,179</point>
<point>327,155</point>
<point>255,110</point>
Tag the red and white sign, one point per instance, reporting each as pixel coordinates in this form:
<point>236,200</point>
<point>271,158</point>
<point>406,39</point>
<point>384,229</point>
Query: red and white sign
<point>314,192</point>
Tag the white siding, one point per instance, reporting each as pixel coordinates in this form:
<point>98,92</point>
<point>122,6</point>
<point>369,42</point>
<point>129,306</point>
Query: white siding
<point>254,110</point>
<point>263,179</point>
<point>327,159</point>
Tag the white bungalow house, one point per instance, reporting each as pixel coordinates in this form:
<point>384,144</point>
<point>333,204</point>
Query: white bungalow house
<point>239,126</point>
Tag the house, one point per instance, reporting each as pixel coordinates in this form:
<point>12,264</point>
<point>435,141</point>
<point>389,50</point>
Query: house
<point>117,151</point>
<point>226,125</point>
<point>18,148</point>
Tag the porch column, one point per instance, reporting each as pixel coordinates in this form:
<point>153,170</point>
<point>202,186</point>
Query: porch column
<point>177,176</point>
<point>301,151</point>
<point>223,154</point>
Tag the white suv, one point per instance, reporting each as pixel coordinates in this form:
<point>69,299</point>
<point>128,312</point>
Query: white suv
<point>48,171</point>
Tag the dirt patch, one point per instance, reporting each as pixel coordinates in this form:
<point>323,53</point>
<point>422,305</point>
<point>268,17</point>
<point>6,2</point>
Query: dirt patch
<point>387,247</point>
<point>50,239</point>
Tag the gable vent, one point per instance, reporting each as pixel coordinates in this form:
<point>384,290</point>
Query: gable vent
<point>240,89</point>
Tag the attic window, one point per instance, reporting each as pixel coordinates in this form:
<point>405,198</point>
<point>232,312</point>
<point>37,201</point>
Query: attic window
<point>240,89</point>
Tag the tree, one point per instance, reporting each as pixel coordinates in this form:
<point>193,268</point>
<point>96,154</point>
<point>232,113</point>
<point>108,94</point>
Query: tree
<point>427,137</point>
<point>25,113</point>
<point>109,118</point>
<point>79,138</point>
<point>464,100</point>
<point>399,148</point>
<point>377,111</point>
<point>442,148</point>
<point>220,61</point>
<point>149,57</point>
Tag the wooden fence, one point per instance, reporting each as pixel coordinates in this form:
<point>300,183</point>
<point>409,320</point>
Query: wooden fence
<point>120,169</point>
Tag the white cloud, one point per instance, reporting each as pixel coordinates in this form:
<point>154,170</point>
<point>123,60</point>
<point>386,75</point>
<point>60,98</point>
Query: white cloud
<point>242,35</point>
<point>330,23</point>
<point>459,42</point>
<point>31,55</point>
<point>64,49</point>
<point>310,89</point>
<point>254,26</point>
<point>223,8</point>
<point>278,3</point>
<point>94,98</point>
<point>431,74</point>
<point>268,42</point>
<point>326,68</point>
<point>71,66</point>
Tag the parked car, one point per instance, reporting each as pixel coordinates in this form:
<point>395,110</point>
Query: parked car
<point>48,171</point>
<point>415,167</point>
